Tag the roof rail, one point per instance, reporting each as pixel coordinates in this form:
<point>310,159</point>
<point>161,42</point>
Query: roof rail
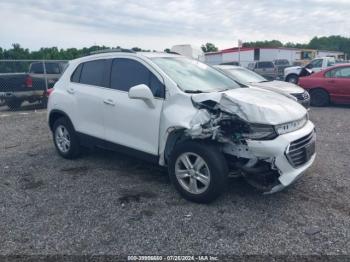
<point>112,51</point>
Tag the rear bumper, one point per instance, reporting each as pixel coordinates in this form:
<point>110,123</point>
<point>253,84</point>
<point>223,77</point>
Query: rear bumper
<point>21,95</point>
<point>275,151</point>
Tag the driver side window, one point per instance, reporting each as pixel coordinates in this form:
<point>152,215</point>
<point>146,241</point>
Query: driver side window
<point>127,73</point>
<point>316,63</point>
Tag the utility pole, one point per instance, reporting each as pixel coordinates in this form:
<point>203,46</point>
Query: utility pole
<point>239,51</point>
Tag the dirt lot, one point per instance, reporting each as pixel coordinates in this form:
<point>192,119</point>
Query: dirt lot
<point>107,203</point>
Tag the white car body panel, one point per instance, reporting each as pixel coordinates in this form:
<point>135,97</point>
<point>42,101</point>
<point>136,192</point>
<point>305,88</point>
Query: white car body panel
<point>279,87</point>
<point>257,106</point>
<point>134,124</point>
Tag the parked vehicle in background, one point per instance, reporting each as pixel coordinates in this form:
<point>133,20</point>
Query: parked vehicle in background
<point>281,64</point>
<point>291,74</point>
<point>15,88</point>
<point>250,78</point>
<point>266,69</point>
<point>189,51</point>
<point>234,63</point>
<point>331,85</point>
<point>185,115</point>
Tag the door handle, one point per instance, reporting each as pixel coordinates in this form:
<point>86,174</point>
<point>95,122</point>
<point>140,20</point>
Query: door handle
<point>331,81</point>
<point>109,102</point>
<point>71,90</point>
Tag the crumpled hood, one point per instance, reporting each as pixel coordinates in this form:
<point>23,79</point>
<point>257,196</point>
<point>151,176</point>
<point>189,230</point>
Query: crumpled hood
<point>279,87</point>
<point>255,105</point>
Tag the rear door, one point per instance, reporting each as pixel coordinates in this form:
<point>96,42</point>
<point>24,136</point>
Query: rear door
<point>87,89</point>
<point>131,122</point>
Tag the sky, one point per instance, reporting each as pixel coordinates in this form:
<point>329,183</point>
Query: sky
<point>160,24</point>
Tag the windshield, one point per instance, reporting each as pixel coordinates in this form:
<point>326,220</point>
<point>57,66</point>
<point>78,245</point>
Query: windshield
<point>194,76</point>
<point>245,76</point>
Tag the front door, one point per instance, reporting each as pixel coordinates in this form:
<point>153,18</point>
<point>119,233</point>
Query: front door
<point>132,122</point>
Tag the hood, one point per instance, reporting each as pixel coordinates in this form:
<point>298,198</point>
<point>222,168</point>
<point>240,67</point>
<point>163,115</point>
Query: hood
<point>292,68</point>
<point>255,105</point>
<point>280,87</point>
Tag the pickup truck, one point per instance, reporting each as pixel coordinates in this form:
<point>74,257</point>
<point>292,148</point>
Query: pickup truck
<point>291,74</point>
<point>15,88</point>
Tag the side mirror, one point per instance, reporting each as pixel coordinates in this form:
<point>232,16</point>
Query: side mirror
<point>142,92</point>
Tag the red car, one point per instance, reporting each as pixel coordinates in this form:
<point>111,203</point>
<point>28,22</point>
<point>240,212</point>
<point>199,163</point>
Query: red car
<point>331,85</point>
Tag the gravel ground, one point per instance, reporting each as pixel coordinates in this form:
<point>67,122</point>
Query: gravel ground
<point>107,203</point>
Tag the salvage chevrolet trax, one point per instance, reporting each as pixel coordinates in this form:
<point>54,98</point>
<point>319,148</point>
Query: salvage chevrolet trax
<point>184,115</point>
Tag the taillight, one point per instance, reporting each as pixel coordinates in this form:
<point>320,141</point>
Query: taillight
<point>48,92</point>
<point>29,82</point>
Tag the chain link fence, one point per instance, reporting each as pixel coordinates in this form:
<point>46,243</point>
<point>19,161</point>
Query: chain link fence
<point>24,82</point>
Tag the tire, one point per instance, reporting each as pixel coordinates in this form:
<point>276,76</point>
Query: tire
<point>44,101</point>
<point>214,170</point>
<point>65,139</point>
<point>319,98</point>
<point>292,79</point>
<point>14,104</point>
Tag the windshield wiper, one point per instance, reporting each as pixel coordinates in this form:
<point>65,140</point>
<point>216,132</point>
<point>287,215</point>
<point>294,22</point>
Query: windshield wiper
<point>197,91</point>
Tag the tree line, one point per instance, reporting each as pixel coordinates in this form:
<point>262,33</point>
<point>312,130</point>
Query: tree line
<point>333,43</point>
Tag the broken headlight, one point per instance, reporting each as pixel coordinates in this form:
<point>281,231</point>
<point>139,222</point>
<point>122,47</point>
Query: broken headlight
<point>291,126</point>
<point>260,132</point>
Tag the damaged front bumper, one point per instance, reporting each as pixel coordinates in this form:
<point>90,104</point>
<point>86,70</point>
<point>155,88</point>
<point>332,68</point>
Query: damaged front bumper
<point>290,154</point>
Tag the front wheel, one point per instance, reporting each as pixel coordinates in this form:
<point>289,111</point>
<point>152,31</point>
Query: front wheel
<point>293,79</point>
<point>198,171</point>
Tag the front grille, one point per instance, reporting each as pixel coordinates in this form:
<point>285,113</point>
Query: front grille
<point>300,151</point>
<point>302,96</point>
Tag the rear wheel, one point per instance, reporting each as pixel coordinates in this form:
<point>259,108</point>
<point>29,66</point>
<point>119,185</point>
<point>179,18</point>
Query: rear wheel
<point>198,171</point>
<point>319,97</point>
<point>293,79</point>
<point>14,104</point>
<point>65,139</point>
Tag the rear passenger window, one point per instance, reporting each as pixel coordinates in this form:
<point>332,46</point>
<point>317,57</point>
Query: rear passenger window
<point>93,73</point>
<point>127,73</point>
<point>76,75</point>
<point>266,65</point>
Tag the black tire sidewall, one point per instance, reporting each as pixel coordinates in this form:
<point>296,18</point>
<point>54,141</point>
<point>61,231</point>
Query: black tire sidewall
<point>216,163</point>
<point>74,149</point>
<point>319,98</point>
<point>14,104</point>
<point>293,77</point>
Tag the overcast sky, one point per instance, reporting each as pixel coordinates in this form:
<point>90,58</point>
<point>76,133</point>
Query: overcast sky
<point>158,24</point>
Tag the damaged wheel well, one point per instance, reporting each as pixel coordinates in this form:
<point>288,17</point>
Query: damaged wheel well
<point>179,136</point>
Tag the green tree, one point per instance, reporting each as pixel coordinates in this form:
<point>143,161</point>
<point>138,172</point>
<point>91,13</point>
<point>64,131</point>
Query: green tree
<point>209,47</point>
<point>266,43</point>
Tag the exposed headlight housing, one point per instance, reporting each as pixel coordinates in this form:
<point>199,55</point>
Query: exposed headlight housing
<point>291,126</point>
<point>260,132</point>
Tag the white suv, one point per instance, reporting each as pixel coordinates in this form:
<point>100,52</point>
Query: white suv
<point>182,114</point>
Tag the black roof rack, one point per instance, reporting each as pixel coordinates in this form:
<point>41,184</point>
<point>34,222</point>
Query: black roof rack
<point>112,50</point>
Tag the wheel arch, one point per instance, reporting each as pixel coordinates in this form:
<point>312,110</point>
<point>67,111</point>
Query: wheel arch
<point>56,114</point>
<point>291,74</point>
<point>175,137</point>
